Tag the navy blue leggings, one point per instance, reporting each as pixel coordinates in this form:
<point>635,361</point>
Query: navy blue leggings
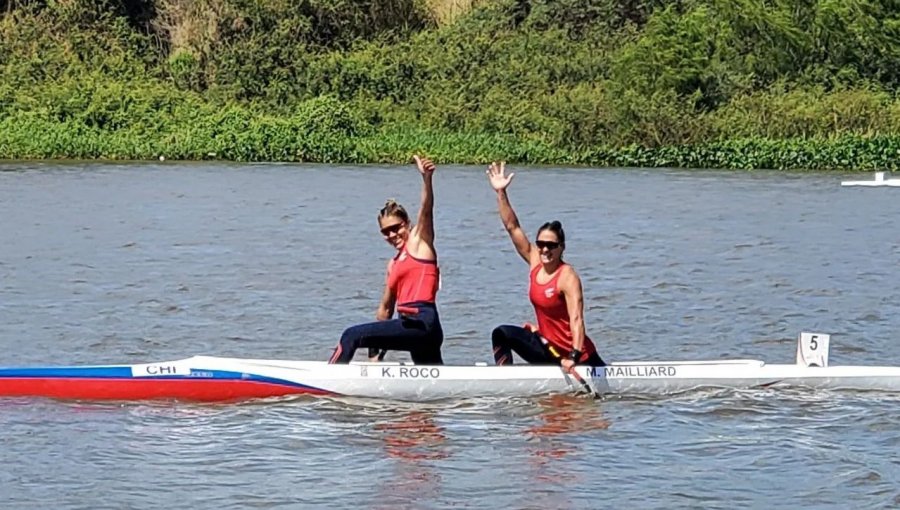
<point>529,346</point>
<point>418,333</point>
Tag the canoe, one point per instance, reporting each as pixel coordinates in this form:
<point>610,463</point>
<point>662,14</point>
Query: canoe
<point>210,378</point>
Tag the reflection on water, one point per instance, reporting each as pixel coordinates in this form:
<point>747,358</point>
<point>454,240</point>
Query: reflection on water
<point>561,418</point>
<point>413,436</point>
<point>556,449</point>
<point>412,439</point>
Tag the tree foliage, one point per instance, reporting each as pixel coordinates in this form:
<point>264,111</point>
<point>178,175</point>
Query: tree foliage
<point>695,82</point>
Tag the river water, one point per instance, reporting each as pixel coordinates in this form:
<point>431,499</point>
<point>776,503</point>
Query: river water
<point>107,263</point>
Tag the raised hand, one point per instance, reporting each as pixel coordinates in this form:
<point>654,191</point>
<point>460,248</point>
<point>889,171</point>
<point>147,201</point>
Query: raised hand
<point>425,165</point>
<point>497,176</point>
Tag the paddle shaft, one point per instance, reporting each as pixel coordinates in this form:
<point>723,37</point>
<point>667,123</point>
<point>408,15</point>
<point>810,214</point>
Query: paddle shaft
<point>559,357</point>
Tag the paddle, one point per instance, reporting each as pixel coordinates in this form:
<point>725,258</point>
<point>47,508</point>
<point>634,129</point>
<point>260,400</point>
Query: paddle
<point>559,357</point>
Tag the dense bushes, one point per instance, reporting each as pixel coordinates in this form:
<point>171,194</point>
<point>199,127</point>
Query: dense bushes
<point>739,84</point>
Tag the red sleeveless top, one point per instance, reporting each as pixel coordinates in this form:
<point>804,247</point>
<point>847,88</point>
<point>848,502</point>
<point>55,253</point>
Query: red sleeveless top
<point>552,314</point>
<point>412,280</point>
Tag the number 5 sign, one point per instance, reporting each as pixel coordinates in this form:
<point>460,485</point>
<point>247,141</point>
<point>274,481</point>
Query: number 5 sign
<point>812,349</point>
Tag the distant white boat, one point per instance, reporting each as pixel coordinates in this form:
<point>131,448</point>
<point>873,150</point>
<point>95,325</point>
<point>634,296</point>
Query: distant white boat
<point>879,181</point>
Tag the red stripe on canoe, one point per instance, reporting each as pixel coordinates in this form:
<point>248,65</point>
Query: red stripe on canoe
<point>110,388</point>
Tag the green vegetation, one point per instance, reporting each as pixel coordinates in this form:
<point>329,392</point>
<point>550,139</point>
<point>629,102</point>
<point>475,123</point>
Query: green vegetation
<point>807,84</point>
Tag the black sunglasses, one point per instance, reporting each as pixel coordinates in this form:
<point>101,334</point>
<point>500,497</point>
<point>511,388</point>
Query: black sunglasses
<point>388,230</point>
<point>550,245</point>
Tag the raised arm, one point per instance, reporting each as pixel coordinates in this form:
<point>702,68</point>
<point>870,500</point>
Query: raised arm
<point>425,221</point>
<point>500,181</point>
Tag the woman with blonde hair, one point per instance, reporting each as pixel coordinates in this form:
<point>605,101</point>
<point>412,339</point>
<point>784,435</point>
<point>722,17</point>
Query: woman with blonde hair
<point>411,287</point>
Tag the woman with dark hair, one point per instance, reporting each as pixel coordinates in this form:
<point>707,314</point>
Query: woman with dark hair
<point>554,290</point>
<point>411,284</point>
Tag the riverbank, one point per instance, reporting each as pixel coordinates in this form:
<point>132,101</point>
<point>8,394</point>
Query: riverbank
<point>593,82</point>
<point>43,141</point>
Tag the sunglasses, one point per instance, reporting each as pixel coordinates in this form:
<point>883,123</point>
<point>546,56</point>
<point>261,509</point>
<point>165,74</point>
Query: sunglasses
<point>550,245</point>
<point>391,229</point>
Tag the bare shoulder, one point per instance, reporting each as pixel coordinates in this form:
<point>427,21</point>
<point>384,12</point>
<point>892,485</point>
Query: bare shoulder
<point>569,272</point>
<point>412,242</point>
<point>569,277</point>
<point>420,248</point>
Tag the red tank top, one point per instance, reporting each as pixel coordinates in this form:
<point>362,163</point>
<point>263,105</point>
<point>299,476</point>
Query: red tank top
<point>412,279</point>
<point>552,314</point>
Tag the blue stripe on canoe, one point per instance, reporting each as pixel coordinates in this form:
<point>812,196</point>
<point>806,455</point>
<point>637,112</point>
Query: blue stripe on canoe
<point>124,372</point>
<point>119,372</point>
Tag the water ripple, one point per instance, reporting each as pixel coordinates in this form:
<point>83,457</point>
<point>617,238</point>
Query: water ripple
<point>117,263</point>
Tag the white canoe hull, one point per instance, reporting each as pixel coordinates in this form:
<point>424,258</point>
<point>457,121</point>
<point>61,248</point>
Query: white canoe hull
<point>206,378</point>
<point>414,382</point>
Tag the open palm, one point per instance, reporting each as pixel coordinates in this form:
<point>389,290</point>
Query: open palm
<point>497,176</point>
